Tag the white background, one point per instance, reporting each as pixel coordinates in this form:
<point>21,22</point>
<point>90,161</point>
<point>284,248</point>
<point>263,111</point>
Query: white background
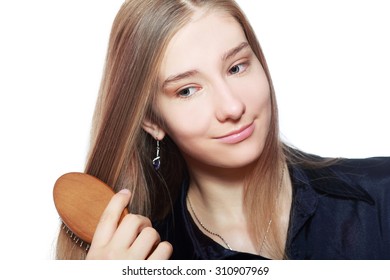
<point>329,61</point>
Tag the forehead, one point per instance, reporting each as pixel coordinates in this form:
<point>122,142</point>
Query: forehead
<point>204,39</point>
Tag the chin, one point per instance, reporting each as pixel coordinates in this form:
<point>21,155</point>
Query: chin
<point>242,158</point>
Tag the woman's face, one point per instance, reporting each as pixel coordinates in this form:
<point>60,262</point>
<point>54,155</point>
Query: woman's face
<point>215,99</point>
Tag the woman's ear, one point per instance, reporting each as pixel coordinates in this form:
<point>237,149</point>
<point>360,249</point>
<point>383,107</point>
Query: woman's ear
<point>153,129</point>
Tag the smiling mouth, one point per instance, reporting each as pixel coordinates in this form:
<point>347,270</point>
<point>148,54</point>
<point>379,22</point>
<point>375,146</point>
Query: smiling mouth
<point>238,135</point>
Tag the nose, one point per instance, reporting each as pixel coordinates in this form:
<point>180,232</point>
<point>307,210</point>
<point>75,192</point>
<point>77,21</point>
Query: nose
<point>228,103</point>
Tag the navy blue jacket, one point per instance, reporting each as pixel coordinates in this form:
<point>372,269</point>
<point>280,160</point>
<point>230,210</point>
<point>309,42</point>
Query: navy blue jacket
<point>338,212</point>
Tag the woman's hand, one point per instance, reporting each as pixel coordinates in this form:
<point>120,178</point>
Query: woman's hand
<point>133,239</point>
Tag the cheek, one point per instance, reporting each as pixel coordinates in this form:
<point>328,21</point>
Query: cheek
<point>258,97</point>
<point>185,121</point>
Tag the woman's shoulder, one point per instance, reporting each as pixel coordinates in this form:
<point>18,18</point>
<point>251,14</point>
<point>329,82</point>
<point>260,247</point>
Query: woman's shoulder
<point>364,178</point>
<point>378,167</point>
<point>364,171</point>
<point>371,174</point>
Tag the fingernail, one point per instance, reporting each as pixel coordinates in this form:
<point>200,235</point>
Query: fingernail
<point>124,191</point>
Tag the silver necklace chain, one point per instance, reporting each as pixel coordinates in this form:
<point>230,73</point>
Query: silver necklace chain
<point>205,228</point>
<point>223,239</point>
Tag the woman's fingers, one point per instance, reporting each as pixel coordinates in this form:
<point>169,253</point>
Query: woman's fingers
<point>163,251</point>
<point>134,238</point>
<point>109,220</point>
<point>144,245</point>
<point>129,229</point>
<point>141,241</point>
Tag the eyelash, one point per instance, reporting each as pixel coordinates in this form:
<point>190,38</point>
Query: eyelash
<point>244,64</point>
<point>180,92</point>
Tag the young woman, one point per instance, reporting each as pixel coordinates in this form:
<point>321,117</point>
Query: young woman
<point>186,131</point>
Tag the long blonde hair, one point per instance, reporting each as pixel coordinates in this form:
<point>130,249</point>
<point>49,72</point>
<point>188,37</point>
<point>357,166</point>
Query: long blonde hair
<point>121,151</point>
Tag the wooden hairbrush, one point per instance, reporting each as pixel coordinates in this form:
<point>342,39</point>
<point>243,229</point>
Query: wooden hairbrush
<point>80,200</point>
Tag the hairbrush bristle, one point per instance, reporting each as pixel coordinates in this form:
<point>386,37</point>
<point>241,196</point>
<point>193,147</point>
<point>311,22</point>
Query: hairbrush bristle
<point>77,240</point>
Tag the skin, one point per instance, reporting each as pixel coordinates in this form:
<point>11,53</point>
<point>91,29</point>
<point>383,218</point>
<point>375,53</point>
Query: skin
<point>215,103</point>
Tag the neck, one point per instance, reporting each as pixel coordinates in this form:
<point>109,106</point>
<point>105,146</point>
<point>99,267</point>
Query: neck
<point>218,189</point>
<point>217,197</point>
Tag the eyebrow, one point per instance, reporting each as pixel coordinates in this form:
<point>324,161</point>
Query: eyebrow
<point>229,54</point>
<point>181,76</point>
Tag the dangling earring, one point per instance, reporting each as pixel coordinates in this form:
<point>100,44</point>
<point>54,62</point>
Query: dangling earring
<point>156,161</point>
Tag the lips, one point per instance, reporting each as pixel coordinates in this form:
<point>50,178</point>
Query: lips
<point>239,135</point>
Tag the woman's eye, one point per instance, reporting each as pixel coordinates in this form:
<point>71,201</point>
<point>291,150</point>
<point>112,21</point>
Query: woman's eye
<point>237,69</point>
<point>187,92</point>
